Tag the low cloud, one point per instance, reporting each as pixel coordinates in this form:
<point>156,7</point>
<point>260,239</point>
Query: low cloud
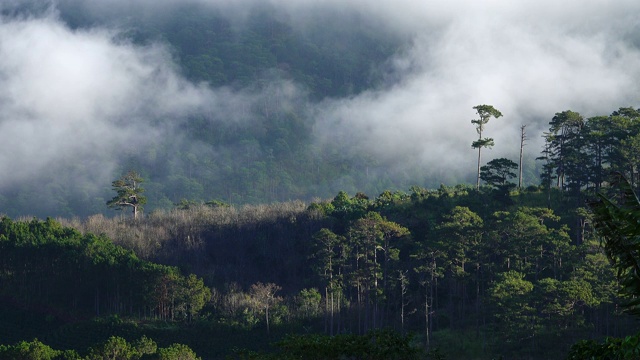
<point>528,59</point>
<point>89,96</point>
<point>82,95</point>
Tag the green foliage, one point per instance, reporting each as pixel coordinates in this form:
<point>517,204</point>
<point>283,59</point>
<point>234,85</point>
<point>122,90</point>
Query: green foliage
<point>490,279</point>
<point>129,193</point>
<point>375,345</point>
<point>611,348</point>
<point>483,143</point>
<point>512,275</point>
<point>308,301</point>
<point>145,346</point>
<point>459,231</point>
<point>485,112</point>
<point>177,352</point>
<point>618,224</point>
<point>86,274</point>
<point>388,199</point>
<point>322,208</point>
<point>33,350</point>
<point>562,303</point>
<point>216,203</point>
<point>349,208</point>
<point>579,152</point>
<point>498,172</point>
<point>195,295</point>
<point>511,294</point>
<point>114,348</point>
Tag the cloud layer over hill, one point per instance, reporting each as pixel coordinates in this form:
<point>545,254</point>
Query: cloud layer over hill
<point>88,95</point>
<point>81,95</point>
<point>529,59</point>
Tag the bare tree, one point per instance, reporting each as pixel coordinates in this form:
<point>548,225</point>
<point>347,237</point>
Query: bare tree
<point>264,296</point>
<point>523,138</point>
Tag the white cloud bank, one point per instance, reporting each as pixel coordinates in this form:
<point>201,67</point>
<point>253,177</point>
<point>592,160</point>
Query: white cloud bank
<point>530,59</point>
<point>81,95</point>
<point>85,95</point>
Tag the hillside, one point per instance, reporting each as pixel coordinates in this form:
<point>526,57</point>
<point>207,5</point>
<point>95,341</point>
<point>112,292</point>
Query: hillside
<point>477,272</point>
<point>263,151</point>
<point>251,102</point>
<point>460,269</point>
<point>318,180</point>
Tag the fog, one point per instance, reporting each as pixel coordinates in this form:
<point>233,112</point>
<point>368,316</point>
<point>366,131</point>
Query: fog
<point>81,95</point>
<point>89,96</point>
<point>529,60</point>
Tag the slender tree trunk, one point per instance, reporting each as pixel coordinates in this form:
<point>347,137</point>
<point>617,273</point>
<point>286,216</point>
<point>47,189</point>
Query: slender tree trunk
<point>326,310</point>
<point>450,304</point>
<point>522,139</point>
<point>266,317</point>
<point>549,195</point>
<point>433,294</point>
<point>477,299</point>
<point>427,325</point>
<point>332,312</point>
<point>478,177</point>
<point>403,291</point>
<point>359,290</point>
<point>367,308</point>
<point>339,313</point>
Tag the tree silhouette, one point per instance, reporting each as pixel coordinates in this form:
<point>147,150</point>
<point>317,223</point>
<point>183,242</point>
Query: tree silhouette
<point>498,172</point>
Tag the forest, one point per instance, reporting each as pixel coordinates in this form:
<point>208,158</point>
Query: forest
<point>453,272</point>
<point>240,236</point>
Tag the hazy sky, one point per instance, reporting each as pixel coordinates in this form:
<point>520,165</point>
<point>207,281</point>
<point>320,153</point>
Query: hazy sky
<point>84,94</point>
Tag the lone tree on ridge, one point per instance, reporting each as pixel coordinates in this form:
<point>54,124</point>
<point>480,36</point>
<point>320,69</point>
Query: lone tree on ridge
<point>129,193</point>
<point>485,112</point>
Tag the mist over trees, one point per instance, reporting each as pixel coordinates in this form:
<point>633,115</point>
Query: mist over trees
<point>253,102</point>
<point>510,272</point>
<point>255,143</point>
<point>514,267</point>
<point>307,171</point>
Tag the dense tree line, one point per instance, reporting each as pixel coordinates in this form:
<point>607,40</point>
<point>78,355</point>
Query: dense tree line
<point>46,265</point>
<point>616,218</point>
<point>509,279</point>
<point>579,152</point>
<point>114,348</point>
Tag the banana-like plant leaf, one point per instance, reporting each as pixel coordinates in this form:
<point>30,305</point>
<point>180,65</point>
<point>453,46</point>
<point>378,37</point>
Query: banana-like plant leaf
<point>617,221</point>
